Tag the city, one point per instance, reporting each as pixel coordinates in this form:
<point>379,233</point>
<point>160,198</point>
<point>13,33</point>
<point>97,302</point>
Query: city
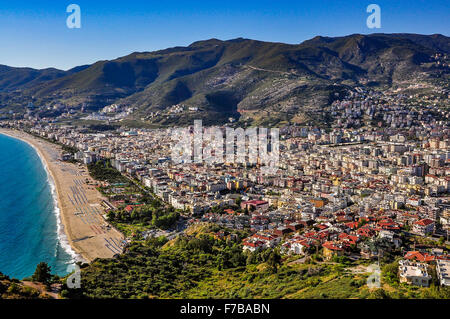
<point>375,184</point>
<point>213,159</point>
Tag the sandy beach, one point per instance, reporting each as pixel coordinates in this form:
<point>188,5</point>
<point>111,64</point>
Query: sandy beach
<point>81,212</point>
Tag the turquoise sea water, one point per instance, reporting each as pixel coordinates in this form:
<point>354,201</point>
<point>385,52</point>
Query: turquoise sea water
<point>29,225</point>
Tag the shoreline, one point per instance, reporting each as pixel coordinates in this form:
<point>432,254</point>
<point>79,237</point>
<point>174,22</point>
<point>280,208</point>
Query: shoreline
<point>84,235</point>
<point>62,236</point>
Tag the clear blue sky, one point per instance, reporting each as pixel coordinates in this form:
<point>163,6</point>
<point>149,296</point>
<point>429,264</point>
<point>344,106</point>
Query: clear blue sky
<point>34,33</point>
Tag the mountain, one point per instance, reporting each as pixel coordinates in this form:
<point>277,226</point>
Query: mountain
<point>260,80</point>
<point>19,78</point>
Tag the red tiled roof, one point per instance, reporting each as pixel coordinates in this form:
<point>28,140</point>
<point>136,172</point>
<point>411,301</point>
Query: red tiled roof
<point>349,238</point>
<point>352,225</point>
<point>253,244</point>
<point>424,222</point>
<point>423,257</point>
<point>331,246</point>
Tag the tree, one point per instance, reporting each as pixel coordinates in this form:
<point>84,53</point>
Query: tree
<point>164,221</point>
<point>42,273</point>
<point>236,257</point>
<point>390,272</point>
<point>274,260</point>
<point>252,259</point>
<point>14,289</point>
<point>378,294</point>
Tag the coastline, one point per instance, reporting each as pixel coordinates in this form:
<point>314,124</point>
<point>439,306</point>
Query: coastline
<point>62,237</point>
<point>82,231</point>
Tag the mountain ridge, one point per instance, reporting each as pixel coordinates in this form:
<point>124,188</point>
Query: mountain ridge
<point>227,78</point>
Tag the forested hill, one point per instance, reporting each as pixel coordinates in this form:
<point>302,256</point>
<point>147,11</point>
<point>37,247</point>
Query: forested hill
<point>235,77</point>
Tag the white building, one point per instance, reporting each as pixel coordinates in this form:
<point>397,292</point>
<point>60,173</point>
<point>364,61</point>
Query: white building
<point>414,273</point>
<point>443,272</point>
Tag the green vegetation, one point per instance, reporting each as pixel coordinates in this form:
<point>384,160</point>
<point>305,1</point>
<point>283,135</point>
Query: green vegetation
<point>69,149</point>
<point>140,208</point>
<point>390,273</point>
<point>42,273</point>
<point>14,289</point>
<point>102,171</point>
<point>199,265</point>
<point>147,215</point>
<point>149,270</point>
<point>282,83</point>
<point>35,287</point>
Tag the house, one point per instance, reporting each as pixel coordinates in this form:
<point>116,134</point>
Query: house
<point>295,226</point>
<point>366,232</point>
<point>130,208</point>
<point>260,206</point>
<point>260,241</point>
<point>414,273</point>
<point>318,202</point>
<point>390,236</point>
<point>270,241</point>
<point>299,246</point>
<point>331,249</point>
<point>419,256</point>
<point>388,224</point>
<point>281,231</point>
<point>352,225</point>
<point>424,227</point>
<point>348,239</point>
<point>414,201</point>
<point>252,246</point>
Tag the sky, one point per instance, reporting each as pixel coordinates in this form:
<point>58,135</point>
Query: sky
<point>34,33</point>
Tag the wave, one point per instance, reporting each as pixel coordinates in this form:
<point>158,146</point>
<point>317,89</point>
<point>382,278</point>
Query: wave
<point>62,237</point>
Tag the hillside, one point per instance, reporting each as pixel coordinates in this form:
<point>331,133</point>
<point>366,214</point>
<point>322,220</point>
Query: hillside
<point>23,78</point>
<point>260,81</point>
<point>198,266</point>
<point>15,289</point>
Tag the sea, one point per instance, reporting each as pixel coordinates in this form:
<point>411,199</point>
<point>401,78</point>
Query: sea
<point>30,227</point>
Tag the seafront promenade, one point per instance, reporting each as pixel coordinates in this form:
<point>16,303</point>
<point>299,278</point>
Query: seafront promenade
<point>79,203</point>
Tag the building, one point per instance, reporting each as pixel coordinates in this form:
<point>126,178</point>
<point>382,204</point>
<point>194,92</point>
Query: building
<point>255,205</point>
<point>260,241</point>
<point>423,227</point>
<point>252,246</point>
<point>298,246</point>
<point>414,273</point>
<point>318,202</point>
<point>443,272</point>
<point>331,249</point>
<point>282,231</point>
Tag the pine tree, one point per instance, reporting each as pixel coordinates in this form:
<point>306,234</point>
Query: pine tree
<point>42,273</point>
